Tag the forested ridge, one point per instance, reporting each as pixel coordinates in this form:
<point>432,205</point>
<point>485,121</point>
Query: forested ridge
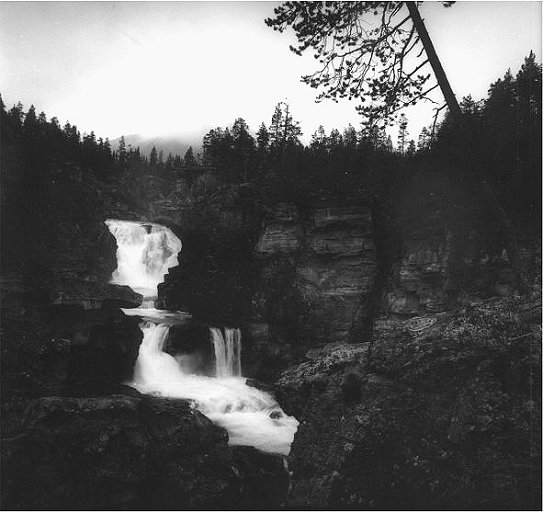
<point>500,140</point>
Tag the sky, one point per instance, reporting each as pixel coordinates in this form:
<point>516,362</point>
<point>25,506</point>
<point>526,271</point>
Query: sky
<point>181,68</point>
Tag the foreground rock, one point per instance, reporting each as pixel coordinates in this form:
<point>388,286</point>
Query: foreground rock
<point>128,453</point>
<point>68,351</point>
<point>442,414</point>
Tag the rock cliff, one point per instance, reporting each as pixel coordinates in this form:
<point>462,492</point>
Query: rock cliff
<point>317,270</point>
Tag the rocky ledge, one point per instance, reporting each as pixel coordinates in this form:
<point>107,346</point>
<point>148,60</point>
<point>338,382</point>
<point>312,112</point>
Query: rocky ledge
<point>122,452</point>
<point>441,413</point>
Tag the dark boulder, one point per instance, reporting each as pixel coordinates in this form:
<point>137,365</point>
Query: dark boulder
<point>113,453</point>
<point>265,479</point>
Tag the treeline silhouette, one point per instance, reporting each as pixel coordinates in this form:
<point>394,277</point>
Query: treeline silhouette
<point>46,167</point>
<point>499,139</point>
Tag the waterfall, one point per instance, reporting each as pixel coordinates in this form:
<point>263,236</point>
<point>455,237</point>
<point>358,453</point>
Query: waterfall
<point>145,252</point>
<point>227,352</point>
<point>153,366</point>
<point>251,417</point>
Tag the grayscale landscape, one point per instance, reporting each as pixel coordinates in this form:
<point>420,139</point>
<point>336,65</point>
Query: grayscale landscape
<point>270,256</point>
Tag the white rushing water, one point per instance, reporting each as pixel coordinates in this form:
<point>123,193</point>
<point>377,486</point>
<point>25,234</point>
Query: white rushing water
<point>227,352</point>
<point>251,416</point>
<point>145,252</point>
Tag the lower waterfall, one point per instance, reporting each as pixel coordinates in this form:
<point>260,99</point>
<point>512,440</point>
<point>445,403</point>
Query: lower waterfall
<point>251,416</point>
<point>227,352</point>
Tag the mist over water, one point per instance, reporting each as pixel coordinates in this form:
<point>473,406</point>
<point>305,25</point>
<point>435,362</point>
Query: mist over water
<point>251,416</point>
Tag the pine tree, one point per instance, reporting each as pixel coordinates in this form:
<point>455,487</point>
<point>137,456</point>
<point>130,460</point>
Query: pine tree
<point>153,158</point>
<point>335,138</point>
<point>243,140</point>
<point>169,162</point>
<point>160,163</point>
<point>30,124</point>
<point>262,138</point>
<point>388,145</point>
<point>375,135</point>
<point>424,139</point>
<point>189,159</point>
<point>284,129</point>
<point>244,147</point>
<point>276,130</point>
<point>319,141</point>
<point>42,119</point>
<point>402,134</point>
<point>350,137</point>
<point>121,153</point>
<point>30,118</point>
<point>16,114</point>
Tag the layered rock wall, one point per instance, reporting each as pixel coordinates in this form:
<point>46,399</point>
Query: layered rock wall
<point>317,273</point>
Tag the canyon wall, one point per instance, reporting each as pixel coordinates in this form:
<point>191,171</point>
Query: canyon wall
<point>317,270</point>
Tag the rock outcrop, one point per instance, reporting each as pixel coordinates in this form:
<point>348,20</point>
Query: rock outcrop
<point>123,452</point>
<point>441,414</point>
<point>450,250</point>
<point>54,288</point>
<point>68,350</point>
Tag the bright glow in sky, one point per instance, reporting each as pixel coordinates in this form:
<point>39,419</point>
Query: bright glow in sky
<point>165,68</point>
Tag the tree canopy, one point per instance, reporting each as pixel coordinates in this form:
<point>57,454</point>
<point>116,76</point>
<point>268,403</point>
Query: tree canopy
<point>370,51</point>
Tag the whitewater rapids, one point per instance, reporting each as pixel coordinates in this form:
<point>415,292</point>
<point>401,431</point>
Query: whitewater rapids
<point>251,416</point>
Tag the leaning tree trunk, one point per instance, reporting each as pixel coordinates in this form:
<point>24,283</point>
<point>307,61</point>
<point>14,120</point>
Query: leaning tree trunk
<point>507,228</point>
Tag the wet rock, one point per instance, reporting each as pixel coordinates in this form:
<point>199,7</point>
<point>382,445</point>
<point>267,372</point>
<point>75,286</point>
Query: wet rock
<point>314,392</point>
<point>254,383</point>
<point>322,376</point>
<point>191,344</point>
<point>107,358</point>
<point>113,452</point>
<point>265,479</point>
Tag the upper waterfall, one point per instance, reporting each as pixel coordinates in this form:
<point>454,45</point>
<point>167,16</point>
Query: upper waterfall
<point>145,252</point>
